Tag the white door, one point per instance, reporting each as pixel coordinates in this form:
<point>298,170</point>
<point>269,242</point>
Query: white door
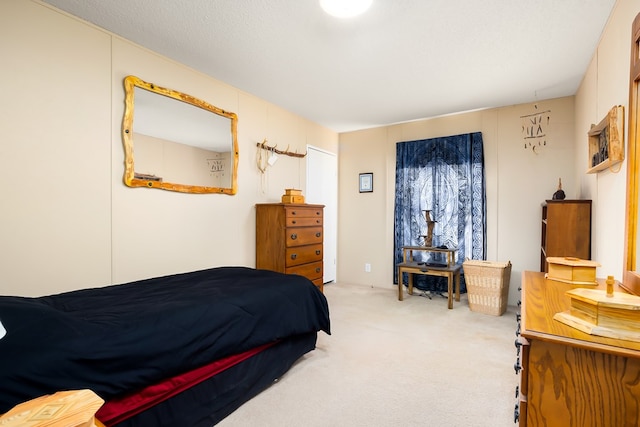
<point>322,189</point>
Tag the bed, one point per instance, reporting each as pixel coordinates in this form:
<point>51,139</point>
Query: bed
<point>179,350</point>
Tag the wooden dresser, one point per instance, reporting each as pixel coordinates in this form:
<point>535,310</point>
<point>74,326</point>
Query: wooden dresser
<point>569,378</point>
<point>566,230</point>
<point>289,239</point>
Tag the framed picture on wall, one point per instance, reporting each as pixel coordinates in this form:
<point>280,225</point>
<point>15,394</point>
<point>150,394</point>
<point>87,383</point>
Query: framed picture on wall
<point>366,182</point>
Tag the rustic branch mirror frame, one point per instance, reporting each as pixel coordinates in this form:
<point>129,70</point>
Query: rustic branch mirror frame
<point>631,278</point>
<point>133,179</point>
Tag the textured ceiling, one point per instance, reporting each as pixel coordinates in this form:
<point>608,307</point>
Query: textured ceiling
<point>402,60</point>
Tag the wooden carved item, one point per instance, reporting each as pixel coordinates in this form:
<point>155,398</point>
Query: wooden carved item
<point>428,239</point>
<point>75,408</point>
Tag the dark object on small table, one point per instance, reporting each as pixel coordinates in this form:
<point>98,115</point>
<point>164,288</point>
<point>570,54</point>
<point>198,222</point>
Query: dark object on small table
<point>559,195</point>
<point>433,264</point>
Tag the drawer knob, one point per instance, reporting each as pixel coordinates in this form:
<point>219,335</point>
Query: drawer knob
<point>293,212</point>
<point>318,252</point>
<point>318,234</point>
<point>294,256</point>
<point>293,222</point>
<point>294,236</point>
<point>517,367</point>
<point>318,269</point>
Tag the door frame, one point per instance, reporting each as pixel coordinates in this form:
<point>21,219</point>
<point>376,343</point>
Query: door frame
<point>330,222</point>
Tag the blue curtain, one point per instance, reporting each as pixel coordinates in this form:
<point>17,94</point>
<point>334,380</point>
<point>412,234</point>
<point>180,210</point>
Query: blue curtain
<point>446,176</point>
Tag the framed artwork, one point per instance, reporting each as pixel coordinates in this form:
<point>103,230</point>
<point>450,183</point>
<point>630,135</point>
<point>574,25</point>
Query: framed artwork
<point>366,182</point>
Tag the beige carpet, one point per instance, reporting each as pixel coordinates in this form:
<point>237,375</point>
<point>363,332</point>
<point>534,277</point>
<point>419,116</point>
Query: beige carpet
<point>396,363</point>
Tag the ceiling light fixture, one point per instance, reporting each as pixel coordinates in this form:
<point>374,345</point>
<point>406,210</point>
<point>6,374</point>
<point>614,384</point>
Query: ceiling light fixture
<point>345,8</point>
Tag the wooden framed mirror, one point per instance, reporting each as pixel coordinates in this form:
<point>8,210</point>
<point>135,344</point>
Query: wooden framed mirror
<point>181,143</point>
<point>631,279</point>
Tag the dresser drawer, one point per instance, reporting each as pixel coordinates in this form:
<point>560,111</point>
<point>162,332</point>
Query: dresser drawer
<point>303,236</point>
<point>296,221</point>
<point>311,271</point>
<point>303,212</point>
<point>297,255</point>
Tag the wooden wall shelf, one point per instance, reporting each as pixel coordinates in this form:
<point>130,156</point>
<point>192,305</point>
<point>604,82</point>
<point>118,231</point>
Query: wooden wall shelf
<point>606,141</point>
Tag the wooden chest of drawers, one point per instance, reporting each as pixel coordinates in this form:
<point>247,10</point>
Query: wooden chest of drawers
<point>289,239</point>
<point>569,378</point>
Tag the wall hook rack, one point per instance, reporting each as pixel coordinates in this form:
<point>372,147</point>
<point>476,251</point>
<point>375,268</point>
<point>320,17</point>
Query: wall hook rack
<point>273,149</point>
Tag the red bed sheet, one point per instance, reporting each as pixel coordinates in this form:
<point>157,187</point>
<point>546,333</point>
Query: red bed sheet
<point>118,410</point>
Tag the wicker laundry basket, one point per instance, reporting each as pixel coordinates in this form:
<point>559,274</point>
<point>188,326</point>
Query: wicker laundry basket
<point>487,285</point>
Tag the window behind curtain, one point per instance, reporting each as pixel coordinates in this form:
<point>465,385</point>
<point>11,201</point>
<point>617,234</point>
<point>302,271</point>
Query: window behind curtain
<point>444,175</point>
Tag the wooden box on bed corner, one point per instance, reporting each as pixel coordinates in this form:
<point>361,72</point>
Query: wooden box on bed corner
<point>74,408</point>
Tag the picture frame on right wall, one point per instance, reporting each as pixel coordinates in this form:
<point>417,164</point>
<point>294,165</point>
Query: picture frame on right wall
<point>606,141</point>
<point>366,182</point>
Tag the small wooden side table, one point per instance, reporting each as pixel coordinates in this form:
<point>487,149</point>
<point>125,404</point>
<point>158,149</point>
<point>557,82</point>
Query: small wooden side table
<point>451,270</point>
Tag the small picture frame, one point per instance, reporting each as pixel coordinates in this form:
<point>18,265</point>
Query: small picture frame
<point>366,182</point>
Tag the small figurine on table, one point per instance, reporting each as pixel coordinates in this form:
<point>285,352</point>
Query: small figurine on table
<point>428,239</point>
<point>559,195</point>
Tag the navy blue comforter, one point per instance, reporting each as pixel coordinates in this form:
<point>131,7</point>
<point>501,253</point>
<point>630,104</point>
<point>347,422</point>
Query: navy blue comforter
<point>120,338</point>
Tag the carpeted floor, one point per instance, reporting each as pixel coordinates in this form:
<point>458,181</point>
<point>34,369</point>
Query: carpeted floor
<point>396,363</point>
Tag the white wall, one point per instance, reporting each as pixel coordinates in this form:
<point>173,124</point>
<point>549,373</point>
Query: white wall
<point>68,221</point>
<point>55,151</point>
<point>606,84</point>
<point>518,182</point>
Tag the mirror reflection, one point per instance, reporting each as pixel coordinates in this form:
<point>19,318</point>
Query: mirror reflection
<point>176,142</point>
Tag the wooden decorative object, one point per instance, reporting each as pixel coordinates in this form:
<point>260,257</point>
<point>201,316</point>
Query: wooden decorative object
<point>273,149</point>
<point>291,195</point>
<point>606,141</point>
<point>592,311</point>
<point>292,199</point>
<point>428,238</point>
<point>572,270</point>
<point>75,408</point>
